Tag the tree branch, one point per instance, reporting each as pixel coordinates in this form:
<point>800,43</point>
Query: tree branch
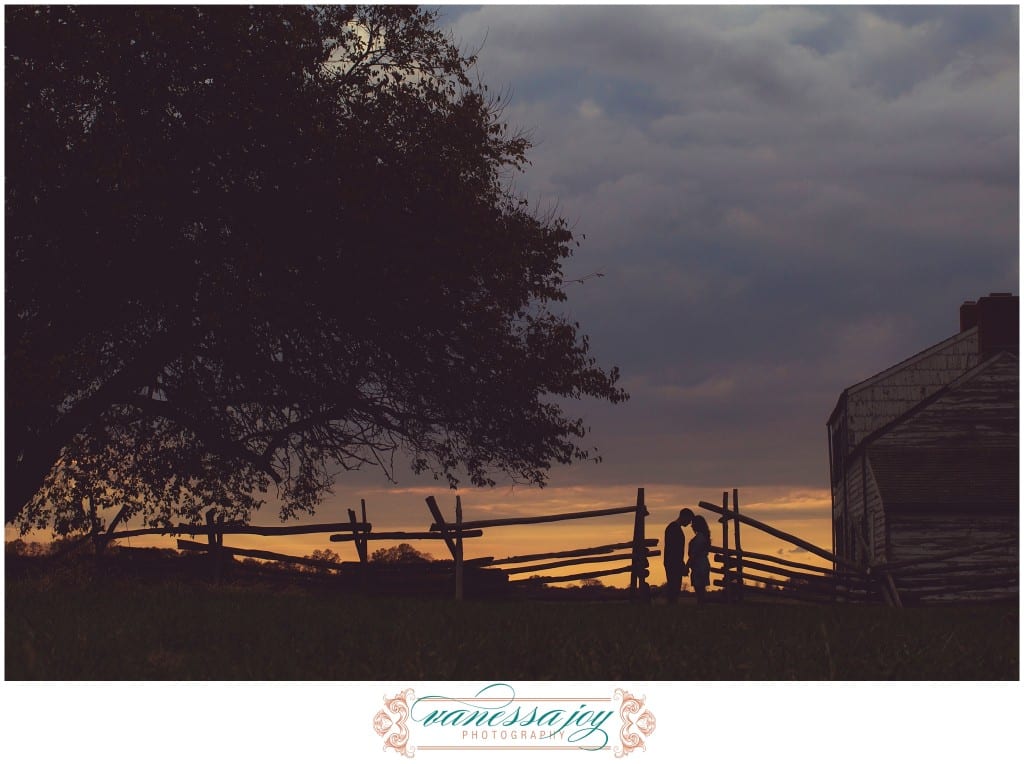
<point>211,438</point>
<point>40,454</point>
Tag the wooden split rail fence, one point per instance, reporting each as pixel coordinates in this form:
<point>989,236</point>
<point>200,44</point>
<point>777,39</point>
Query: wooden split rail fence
<point>837,579</point>
<point>742,572</point>
<point>635,552</point>
<point>829,578</point>
<point>638,554</point>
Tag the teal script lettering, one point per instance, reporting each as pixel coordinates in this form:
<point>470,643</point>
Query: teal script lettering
<point>495,706</point>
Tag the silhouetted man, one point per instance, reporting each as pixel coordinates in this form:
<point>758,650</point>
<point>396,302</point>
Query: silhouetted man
<point>674,553</point>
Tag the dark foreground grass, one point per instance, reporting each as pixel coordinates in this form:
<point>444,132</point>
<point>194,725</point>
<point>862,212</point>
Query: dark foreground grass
<point>103,629</point>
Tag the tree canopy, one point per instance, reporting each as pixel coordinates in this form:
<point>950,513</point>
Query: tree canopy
<point>401,553</point>
<point>250,247</point>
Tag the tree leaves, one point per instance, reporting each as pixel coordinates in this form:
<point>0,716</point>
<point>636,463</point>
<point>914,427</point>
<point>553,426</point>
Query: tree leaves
<point>248,247</point>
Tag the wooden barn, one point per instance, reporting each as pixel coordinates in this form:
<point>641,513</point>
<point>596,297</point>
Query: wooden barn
<point>924,462</point>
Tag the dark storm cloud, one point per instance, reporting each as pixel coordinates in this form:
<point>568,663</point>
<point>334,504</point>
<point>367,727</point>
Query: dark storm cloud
<point>783,200</point>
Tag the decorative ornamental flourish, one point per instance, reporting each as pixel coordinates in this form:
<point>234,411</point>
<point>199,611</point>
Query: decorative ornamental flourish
<point>390,721</point>
<point>637,723</point>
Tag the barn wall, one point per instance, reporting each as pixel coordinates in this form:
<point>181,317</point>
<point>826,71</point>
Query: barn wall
<point>838,516</point>
<point>875,402</point>
<point>855,488</point>
<point>981,411</point>
<point>853,517</point>
<point>979,576</point>
<point>878,535</point>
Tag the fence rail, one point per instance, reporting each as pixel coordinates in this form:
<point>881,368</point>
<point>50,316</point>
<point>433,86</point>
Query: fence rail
<point>403,536</point>
<point>360,532</point>
<point>259,554</point>
<point>741,571</point>
<point>498,522</point>
<point>638,556</point>
<point>582,576</point>
<point>570,553</point>
<point>238,528</point>
<point>933,576</point>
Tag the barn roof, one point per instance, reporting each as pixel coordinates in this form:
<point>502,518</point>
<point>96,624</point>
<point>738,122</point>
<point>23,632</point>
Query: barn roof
<point>937,347</point>
<point>898,367</point>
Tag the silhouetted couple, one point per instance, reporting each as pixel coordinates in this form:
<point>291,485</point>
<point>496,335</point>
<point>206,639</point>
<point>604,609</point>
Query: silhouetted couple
<point>674,555</point>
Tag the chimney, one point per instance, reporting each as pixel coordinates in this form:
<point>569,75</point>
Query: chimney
<point>998,322</point>
<point>968,315</point>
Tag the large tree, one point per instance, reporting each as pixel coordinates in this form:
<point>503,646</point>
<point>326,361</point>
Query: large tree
<point>248,247</point>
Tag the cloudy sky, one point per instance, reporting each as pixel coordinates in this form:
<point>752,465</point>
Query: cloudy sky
<point>783,202</point>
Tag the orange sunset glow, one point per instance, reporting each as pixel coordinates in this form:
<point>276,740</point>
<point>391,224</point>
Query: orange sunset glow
<point>800,511</point>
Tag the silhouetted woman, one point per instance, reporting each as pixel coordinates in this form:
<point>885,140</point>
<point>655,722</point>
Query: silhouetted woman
<point>700,548</point>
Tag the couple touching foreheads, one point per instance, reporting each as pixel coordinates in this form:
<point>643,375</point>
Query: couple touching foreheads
<point>676,562</point>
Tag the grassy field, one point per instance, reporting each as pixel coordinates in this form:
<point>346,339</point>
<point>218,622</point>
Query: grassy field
<point>84,627</point>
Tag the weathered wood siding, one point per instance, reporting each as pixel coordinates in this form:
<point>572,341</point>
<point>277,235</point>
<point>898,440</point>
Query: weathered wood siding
<point>849,513</point>
<point>928,465</point>
<point>838,500</point>
<point>859,514</point>
<point>855,489</point>
<point>990,574</point>
<point>876,519</point>
<point>877,401</point>
<point>948,478</point>
<point>838,518</point>
<point>980,410</point>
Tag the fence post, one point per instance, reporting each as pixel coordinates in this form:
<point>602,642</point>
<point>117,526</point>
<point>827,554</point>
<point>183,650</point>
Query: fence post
<point>364,558</point>
<point>726,554</point>
<point>357,536</point>
<point>359,539</point>
<point>213,542</point>
<point>640,567</point>
<point>454,545</point>
<point>105,537</point>
<point>458,548</point>
<point>632,565</point>
<point>894,592</point>
<point>94,527</point>
<point>226,558</point>
<point>442,526</point>
<point>739,549</point>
